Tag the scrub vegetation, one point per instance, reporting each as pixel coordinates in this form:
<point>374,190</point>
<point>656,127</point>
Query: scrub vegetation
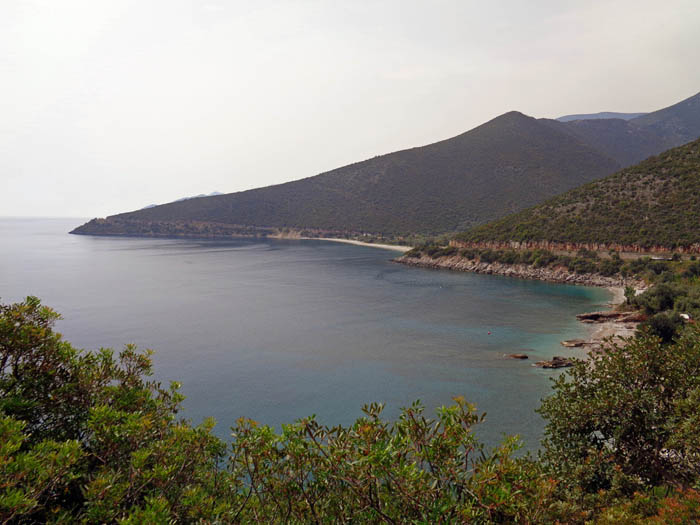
<point>653,204</point>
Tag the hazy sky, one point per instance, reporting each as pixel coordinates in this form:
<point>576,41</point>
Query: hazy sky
<point>107,106</point>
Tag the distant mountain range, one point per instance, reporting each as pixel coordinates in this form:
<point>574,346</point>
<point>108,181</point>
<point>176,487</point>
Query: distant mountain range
<point>653,205</point>
<point>505,165</point>
<point>601,115</point>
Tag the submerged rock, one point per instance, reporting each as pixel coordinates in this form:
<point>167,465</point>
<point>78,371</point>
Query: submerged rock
<point>517,356</point>
<point>573,343</point>
<point>599,317</point>
<point>556,362</point>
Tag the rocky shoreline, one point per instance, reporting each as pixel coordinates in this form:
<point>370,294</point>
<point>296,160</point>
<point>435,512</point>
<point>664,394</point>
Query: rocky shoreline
<point>615,328</point>
<point>520,271</point>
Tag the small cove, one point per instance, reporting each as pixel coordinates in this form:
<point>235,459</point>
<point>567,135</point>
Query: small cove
<point>280,329</point>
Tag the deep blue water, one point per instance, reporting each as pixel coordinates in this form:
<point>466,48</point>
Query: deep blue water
<point>278,330</point>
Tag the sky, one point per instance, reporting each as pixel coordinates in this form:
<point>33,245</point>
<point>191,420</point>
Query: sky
<point>109,106</point>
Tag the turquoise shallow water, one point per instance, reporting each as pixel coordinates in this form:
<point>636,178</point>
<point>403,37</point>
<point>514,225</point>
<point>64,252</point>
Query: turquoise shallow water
<point>277,330</point>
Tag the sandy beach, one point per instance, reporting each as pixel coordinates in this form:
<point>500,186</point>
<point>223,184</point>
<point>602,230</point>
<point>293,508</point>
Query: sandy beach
<point>611,329</point>
<point>395,247</point>
<point>605,328</point>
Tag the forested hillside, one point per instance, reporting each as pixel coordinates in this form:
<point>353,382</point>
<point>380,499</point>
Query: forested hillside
<point>655,203</point>
<point>497,168</point>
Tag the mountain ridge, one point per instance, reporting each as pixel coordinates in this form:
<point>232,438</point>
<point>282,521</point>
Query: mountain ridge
<point>429,180</point>
<point>504,165</point>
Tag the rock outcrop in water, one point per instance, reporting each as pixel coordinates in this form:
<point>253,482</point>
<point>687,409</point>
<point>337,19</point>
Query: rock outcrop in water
<point>555,362</point>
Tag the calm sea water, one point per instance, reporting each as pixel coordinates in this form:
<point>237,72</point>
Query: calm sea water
<point>278,330</point>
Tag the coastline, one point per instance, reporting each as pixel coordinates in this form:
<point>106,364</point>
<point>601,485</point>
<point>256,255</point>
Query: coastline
<point>394,247</point>
<point>602,328</point>
<point>216,237</point>
<point>519,271</point>
<point>614,330</point>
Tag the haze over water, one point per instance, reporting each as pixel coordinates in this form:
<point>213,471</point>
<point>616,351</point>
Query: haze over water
<point>278,330</point>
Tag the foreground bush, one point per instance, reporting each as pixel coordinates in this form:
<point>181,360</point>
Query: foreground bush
<point>87,437</point>
<point>627,423</point>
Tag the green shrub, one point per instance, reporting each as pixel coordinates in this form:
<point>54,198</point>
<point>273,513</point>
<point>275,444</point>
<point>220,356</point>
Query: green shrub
<point>693,270</point>
<point>510,257</point>
<point>610,267</point>
<point>610,426</point>
<point>543,259</point>
<point>664,325</point>
<point>658,267</point>
<point>657,299</point>
<point>468,254</point>
<point>583,265</point>
<point>587,254</point>
<point>488,256</point>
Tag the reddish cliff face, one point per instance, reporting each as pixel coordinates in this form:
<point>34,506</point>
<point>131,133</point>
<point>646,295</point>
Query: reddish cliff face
<point>575,247</point>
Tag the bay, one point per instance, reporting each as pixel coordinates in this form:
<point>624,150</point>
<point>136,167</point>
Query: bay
<point>277,330</point>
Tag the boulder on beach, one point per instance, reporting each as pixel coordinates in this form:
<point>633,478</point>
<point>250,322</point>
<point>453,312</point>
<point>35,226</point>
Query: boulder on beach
<point>633,317</point>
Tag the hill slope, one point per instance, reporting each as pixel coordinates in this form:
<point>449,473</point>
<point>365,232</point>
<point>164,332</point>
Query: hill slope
<point>503,166</point>
<point>621,140</point>
<point>677,124</point>
<point>653,204</point>
<point>631,140</point>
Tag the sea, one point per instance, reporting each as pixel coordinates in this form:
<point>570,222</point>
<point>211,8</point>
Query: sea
<point>278,330</point>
